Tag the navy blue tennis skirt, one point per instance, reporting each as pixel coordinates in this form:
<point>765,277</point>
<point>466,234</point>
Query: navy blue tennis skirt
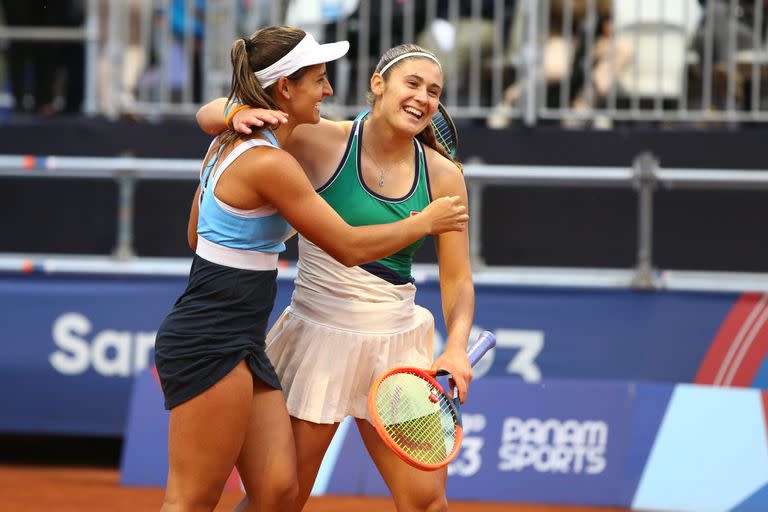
<point>220,320</point>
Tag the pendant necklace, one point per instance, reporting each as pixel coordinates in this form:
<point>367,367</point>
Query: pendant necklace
<point>382,170</point>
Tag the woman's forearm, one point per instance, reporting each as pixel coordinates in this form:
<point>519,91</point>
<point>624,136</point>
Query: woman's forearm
<point>210,117</point>
<point>370,243</point>
<point>458,310</point>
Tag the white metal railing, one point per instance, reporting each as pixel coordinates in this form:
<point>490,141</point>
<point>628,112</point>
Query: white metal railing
<point>578,61</point>
<point>663,61</point>
<point>573,60</point>
<point>644,175</point>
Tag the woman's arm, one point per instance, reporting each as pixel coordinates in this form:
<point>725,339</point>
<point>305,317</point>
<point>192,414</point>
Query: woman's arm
<point>211,119</point>
<point>317,147</point>
<point>192,224</point>
<point>278,180</point>
<point>456,286</point>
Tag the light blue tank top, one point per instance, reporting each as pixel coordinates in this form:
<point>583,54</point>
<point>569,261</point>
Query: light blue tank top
<point>233,237</point>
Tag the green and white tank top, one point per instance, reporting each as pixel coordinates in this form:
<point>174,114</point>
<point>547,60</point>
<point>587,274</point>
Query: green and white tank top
<point>359,205</point>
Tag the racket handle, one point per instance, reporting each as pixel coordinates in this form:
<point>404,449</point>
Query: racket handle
<point>485,342</point>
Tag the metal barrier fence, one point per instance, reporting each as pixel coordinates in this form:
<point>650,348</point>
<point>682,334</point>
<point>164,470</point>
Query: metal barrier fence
<point>644,175</point>
<point>578,61</point>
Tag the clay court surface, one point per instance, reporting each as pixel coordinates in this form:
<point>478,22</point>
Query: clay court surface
<point>83,489</point>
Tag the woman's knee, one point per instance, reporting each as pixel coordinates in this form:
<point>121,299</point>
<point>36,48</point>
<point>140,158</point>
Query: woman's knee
<point>439,504</point>
<point>283,497</point>
<point>423,500</point>
<point>191,503</point>
<point>276,489</point>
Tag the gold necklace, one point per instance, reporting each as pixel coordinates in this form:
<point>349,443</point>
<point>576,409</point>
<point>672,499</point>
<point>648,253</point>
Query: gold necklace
<point>382,170</point>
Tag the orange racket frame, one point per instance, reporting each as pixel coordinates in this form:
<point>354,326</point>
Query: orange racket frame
<point>429,376</point>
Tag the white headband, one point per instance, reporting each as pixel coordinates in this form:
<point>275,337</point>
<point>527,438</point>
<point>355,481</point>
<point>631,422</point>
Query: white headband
<point>307,53</point>
<point>410,54</point>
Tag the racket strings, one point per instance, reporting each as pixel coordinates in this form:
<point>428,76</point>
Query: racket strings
<point>445,131</point>
<point>417,417</point>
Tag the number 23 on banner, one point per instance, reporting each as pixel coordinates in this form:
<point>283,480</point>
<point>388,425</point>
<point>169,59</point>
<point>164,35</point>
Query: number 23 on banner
<point>469,460</point>
<point>524,345</point>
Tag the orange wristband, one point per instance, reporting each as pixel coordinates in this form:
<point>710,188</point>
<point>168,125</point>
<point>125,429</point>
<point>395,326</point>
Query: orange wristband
<point>231,114</point>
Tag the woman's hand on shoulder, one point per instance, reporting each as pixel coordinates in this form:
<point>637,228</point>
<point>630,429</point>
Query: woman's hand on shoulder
<point>244,120</point>
<point>212,117</point>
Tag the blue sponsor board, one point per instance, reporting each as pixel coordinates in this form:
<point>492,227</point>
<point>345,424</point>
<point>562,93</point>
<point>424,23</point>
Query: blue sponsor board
<point>598,334</point>
<point>71,344</point>
<point>144,461</point>
<point>646,446</point>
<point>600,443</point>
<point>71,347</point>
<point>521,441</point>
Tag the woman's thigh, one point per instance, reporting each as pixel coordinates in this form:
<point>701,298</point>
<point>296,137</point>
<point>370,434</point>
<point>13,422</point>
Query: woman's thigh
<point>312,440</point>
<point>267,460</point>
<point>411,488</point>
<point>205,435</point>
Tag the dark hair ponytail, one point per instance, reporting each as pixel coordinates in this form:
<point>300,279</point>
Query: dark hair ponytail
<point>262,49</point>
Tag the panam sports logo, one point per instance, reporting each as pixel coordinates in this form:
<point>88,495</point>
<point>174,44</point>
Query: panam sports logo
<point>553,446</point>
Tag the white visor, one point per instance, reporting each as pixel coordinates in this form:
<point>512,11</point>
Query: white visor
<point>307,53</point>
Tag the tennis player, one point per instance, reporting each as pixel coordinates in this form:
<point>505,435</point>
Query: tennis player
<point>223,393</point>
<point>347,325</point>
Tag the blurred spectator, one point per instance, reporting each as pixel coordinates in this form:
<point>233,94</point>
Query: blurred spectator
<point>317,16</point>
<point>728,32</point>
<point>254,14</point>
<point>563,56</point>
<point>183,22</point>
<point>718,12</point>
<point>30,63</point>
<point>72,57</point>
<point>320,17</point>
<point>34,66</point>
<point>609,58</point>
<point>123,57</point>
<point>453,41</point>
<point>175,58</point>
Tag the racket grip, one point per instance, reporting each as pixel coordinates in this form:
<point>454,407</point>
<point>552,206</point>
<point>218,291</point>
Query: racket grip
<point>485,342</point>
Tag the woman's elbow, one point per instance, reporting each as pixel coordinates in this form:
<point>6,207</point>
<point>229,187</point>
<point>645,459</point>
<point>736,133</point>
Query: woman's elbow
<point>346,256</point>
<point>348,259</point>
<point>210,130</point>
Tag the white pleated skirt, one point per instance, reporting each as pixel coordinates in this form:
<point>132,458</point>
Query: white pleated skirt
<point>327,351</point>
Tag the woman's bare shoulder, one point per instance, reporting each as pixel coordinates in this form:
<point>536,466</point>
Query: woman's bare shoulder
<point>445,176</point>
<point>265,159</point>
<point>322,131</point>
<point>439,164</point>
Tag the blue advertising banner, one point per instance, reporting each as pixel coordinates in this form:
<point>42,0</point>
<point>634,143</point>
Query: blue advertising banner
<point>71,344</point>
<point>71,347</point>
<point>646,446</point>
<point>520,442</point>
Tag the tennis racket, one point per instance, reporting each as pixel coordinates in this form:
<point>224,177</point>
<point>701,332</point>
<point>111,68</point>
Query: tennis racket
<point>415,417</point>
<point>445,130</point>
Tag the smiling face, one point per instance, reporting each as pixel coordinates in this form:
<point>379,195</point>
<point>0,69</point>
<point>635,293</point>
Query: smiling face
<point>305,95</point>
<point>409,96</point>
